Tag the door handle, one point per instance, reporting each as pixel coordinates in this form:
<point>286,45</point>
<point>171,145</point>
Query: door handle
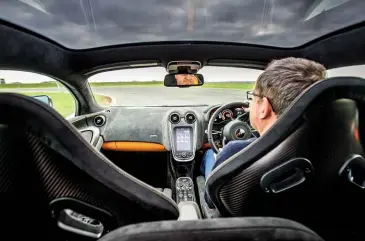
<point>287,175</point>
<point>354,170</point>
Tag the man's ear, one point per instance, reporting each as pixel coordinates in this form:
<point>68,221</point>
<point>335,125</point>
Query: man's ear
<point>265,108</point>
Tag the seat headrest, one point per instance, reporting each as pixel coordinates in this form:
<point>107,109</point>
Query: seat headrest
<point>326,90</point>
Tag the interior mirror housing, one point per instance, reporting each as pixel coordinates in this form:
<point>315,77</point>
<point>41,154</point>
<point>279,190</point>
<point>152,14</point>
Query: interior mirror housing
<point>45,99</point>
<point>183,80</point>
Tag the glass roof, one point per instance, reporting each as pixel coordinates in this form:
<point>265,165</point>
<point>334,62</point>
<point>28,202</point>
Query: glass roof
<point>80,24</point>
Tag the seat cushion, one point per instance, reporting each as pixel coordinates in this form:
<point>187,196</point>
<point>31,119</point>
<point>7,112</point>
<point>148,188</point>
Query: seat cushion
<point>229,229</point>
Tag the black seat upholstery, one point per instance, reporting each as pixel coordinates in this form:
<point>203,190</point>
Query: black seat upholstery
<point>232,229</point>
<point>44,158</point>
<point>323,126</point>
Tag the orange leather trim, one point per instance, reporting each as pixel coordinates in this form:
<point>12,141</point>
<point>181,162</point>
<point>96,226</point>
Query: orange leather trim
<point>133,146</point>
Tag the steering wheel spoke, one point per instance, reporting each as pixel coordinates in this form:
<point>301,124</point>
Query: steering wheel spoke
<point>224,141</point>
<point>214,132</point>
<point>244,115</point>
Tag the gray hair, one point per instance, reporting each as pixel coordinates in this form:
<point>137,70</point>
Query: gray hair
<point>284,79</point>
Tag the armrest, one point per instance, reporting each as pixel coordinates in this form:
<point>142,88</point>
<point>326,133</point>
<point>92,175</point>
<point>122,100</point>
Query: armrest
<point>189,211</point>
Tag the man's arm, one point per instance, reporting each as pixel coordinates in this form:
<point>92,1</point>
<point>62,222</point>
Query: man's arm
<point>230,149</point>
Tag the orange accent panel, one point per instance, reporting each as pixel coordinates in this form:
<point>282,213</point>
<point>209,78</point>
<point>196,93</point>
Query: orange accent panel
<point>133,146</point>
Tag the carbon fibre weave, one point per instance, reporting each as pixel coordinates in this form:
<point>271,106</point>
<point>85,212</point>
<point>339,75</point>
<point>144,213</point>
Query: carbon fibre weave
<point>56,178</point>
<point>326,144</point>
<point>21,198</point>
<point>61,179</point>
<point>241,193</point>
<point>6,179</point>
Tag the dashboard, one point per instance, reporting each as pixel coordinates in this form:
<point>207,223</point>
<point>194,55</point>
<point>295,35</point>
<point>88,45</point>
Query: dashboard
<point>179,130</point>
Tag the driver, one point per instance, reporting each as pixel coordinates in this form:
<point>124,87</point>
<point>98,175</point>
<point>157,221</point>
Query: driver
<point>281,82</point>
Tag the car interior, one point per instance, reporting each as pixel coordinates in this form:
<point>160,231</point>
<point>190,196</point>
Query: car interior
<point>123,173</point>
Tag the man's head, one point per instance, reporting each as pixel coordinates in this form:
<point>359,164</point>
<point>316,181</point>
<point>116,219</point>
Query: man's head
<point>186,79</point>
<point>281,82</point>
<point>180,79</point>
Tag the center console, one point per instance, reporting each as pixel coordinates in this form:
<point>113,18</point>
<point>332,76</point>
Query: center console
<point>185,199</point>
<point>183,136</point>
<point>185,190</point>
<point>183,133</point>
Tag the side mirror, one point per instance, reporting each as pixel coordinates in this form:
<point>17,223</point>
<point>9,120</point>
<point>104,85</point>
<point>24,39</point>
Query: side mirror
<point>183,80</point>
<point>45,99</point>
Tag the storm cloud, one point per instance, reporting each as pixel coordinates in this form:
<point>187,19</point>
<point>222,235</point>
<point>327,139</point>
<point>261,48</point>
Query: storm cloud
<point>82,24</point>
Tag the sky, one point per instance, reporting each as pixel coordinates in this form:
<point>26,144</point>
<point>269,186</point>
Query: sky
<point>211,74</point>
<point>80,24</point>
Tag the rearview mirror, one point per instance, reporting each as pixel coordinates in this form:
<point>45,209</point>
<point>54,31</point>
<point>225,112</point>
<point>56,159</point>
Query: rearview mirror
<point>183,80</point>
<point>45,99</point>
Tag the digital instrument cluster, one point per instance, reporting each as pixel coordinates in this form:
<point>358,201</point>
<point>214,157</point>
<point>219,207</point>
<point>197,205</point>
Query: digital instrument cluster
<point>226,115</point>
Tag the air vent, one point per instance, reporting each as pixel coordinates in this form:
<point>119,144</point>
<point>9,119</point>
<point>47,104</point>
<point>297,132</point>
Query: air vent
<point>174,118</point>
<point>99,120</point>
<point>190,118</point>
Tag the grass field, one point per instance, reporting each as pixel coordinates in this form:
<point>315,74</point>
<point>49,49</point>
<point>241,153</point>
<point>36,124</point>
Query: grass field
<point>133,83</point>
<point>32,85</point>
<point>64,103</point>
<point>230,85</point>
<point>226,85</point>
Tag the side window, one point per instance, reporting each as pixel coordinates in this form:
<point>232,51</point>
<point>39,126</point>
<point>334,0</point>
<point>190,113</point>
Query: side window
<point>355,70</point>
<point>41,87</point>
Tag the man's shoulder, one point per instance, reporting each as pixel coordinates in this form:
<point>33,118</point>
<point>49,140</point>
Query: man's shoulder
<point>241,142</point>
<point>233,147</point>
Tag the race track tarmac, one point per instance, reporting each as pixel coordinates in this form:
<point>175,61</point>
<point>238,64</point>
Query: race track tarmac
<point>142,96</point>
<point>147,96</point>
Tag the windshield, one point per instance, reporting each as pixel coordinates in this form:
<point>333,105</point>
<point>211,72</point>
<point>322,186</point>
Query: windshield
<point>144,87</point>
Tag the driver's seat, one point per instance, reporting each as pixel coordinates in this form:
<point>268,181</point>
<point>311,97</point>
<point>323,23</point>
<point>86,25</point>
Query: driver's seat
<point>292,171</point>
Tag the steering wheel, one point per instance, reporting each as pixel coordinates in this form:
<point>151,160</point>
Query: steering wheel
<point>236,129</point>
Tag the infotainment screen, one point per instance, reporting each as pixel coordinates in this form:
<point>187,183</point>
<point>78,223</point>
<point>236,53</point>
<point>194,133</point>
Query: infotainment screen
<point>183,139</point>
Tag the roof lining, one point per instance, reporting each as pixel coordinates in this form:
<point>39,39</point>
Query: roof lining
<point>39,54</point>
